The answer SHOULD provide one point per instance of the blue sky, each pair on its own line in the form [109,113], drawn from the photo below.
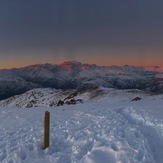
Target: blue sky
[104,32]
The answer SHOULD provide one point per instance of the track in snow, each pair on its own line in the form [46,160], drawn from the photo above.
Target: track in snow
[81,135]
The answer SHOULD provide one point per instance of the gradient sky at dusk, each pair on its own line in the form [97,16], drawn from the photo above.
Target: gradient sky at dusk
[104,32]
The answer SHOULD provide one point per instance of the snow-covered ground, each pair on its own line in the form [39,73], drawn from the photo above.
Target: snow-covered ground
[110,129]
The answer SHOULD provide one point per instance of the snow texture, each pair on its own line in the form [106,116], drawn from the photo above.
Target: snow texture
[110,129]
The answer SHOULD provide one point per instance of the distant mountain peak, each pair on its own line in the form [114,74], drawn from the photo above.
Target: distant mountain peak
[76,75]
[68,65]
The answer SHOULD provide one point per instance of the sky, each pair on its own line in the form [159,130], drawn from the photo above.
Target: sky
[102,32]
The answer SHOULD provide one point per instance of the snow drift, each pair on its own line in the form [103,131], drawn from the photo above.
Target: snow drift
[112,128]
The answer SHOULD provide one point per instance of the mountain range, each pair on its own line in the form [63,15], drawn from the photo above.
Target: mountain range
[78,76]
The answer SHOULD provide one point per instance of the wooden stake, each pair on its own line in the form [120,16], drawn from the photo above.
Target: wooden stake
[46,129]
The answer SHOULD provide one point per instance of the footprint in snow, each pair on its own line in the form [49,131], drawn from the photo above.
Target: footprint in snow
[103,155]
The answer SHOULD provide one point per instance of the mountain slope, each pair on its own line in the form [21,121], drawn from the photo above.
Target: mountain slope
[75,75]
[48,97]
[111,129]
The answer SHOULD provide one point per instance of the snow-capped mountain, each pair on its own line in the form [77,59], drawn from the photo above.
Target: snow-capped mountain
[75,75]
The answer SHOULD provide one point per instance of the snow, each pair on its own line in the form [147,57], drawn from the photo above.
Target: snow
[46,97]
[75,75]
[107,129]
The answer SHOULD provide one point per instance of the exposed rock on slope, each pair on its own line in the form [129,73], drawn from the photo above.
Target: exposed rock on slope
[74,75]
[48,97]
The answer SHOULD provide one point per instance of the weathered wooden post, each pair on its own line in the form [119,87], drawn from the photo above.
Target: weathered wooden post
[46,129]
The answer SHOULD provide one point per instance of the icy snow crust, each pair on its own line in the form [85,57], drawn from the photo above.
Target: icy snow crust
[110,129]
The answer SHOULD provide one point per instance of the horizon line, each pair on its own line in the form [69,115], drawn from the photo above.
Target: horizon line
[43,63]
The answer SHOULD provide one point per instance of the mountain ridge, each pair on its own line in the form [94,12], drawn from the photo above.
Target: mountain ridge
[150,68]
[75,75]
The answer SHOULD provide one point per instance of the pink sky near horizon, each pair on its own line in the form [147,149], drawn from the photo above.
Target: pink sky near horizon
[102,57]
[99,63]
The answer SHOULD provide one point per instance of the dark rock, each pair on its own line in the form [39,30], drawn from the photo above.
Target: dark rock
[60,103]
[71,96]
[136,99]
[29,105]
[71,102]
[80,100]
